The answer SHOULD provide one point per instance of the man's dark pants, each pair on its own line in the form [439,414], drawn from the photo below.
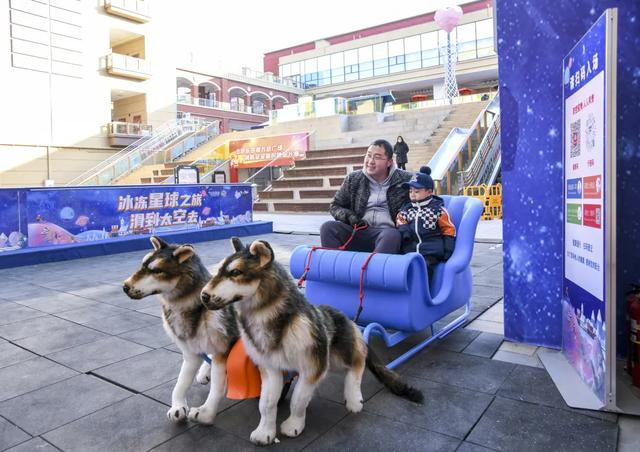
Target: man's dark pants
[381,240]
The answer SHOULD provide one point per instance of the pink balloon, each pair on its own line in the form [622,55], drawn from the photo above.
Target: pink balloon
[448,18]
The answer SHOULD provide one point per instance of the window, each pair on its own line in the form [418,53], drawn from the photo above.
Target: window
[429,49]
[324,70]
[310,78]
[237,103]
[257,106]
[466,42]
[412,53]
[295,68]
[442,40]
[381,59]
[351,65]
[396,56]
[365,61]
[285,70]
[337,67]
[484,34]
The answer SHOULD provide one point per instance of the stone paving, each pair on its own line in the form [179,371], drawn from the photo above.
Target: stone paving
[84,368]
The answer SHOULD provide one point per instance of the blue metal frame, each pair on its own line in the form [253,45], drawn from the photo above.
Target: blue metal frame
[392,339]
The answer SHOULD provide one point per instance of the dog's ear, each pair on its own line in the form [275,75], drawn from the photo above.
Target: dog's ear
[263,251]
[158,243]
[236,244]
[183,252]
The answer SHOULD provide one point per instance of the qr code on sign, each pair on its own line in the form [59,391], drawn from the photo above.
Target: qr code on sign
[575,138]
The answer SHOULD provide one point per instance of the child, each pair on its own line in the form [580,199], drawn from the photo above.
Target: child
[424,223]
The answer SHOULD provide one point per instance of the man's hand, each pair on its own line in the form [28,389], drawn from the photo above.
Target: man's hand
[353,220]
[357,222]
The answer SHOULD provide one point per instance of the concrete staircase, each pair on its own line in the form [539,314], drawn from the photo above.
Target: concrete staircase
[416,126]
[311,185]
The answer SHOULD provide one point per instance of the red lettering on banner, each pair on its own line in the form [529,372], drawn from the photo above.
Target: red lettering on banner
[255,153]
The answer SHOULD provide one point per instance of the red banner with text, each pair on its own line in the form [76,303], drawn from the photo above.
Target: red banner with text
[258,152]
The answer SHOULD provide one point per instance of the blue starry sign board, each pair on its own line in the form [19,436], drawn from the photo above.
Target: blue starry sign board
[589,164]
[533,39]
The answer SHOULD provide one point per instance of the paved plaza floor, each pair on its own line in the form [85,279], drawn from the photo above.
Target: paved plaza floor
[84,368]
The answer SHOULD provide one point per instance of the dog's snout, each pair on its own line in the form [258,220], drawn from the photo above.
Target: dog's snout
[205,297]
[126,287]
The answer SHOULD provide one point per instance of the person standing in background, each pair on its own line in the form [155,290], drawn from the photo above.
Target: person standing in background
[401,149]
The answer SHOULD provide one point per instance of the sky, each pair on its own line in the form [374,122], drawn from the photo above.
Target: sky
[226,36]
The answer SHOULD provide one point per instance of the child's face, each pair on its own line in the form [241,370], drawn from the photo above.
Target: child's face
[418,194]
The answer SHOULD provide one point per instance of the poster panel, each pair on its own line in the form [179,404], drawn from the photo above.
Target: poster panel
[68,216]
[585,241]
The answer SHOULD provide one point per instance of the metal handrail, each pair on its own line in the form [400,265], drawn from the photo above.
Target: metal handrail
[103,164]
[492,107]
[485,156]
[144,150]
[129,128]
[210,103]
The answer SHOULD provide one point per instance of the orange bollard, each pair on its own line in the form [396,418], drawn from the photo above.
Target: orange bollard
[243,377]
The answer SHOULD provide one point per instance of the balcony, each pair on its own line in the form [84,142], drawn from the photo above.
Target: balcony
[210,103]
[128,66]
[266,78]
[125,133]
[136,10]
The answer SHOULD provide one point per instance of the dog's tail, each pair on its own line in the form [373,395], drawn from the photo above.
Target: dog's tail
[391,379]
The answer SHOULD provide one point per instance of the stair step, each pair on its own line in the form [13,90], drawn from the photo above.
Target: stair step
[337,152]
[329,161]
[302,207]
[295,183]
[316,194]
[276,194]
[306,172]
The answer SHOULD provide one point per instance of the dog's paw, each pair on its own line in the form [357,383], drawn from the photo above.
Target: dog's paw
[292,427]
[263,437]
[178,413]
[204,374]
[354,405]
[202,415]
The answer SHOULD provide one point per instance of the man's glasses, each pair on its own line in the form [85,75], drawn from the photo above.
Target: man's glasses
[377,158]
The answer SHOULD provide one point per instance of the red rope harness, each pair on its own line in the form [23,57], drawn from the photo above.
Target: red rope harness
[307,266]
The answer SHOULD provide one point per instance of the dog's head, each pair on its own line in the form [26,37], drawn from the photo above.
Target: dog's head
[161,270]
[239,276]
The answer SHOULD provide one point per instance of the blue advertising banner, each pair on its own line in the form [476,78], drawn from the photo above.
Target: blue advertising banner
[64,216]
[12,233]
[585,242]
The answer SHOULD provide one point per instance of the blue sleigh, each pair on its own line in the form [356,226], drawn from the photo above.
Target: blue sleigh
[396,289]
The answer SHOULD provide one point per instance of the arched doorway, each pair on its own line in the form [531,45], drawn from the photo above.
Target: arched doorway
[184,89]
[260,103]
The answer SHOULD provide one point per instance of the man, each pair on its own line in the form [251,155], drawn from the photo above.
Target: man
[372,197]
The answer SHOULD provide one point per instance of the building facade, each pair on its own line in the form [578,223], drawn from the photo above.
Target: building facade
[238,101]
[404,58]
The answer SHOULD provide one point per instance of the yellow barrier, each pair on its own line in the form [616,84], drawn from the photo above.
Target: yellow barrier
[491,197]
